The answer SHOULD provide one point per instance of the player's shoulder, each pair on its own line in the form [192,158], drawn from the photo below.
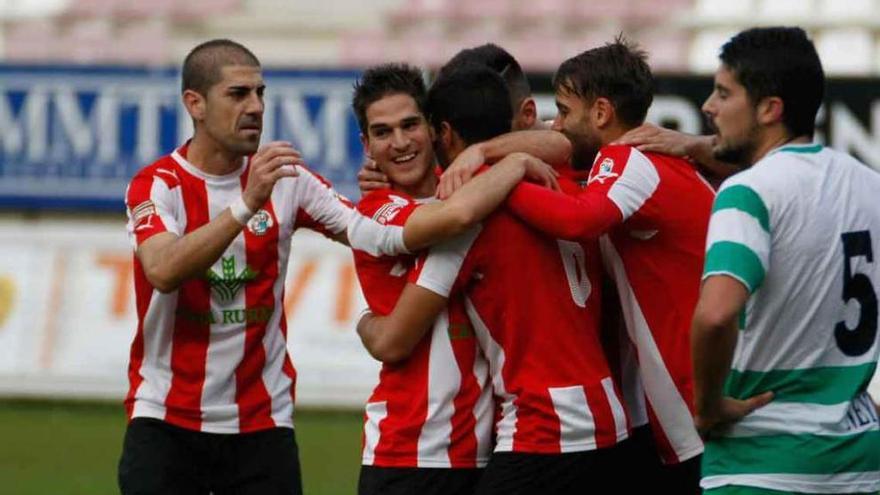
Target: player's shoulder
[165,169]
[382,205]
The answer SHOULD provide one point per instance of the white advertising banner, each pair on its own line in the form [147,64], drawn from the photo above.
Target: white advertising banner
[67,314]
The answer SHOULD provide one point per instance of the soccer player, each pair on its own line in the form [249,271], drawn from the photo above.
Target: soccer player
[788,306]
[560,411]
[210,403]
[428,421]
[525,114]
[652,213]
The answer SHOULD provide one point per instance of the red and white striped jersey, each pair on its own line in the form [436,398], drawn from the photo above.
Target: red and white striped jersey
[534,305]
[212,355]
[435,408]
[652,213]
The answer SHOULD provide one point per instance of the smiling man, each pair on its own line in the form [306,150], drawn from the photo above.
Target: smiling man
[210,402]
[788,304]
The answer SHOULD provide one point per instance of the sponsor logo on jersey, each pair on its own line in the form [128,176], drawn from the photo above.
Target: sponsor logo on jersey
[605,171]
[227,285]
[142,214]
[249,316]
[460,331]
[260,223]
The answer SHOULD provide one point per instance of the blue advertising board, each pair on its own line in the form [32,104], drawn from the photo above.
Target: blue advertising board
[72,136]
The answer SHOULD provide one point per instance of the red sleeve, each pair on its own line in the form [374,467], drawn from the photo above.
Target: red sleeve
[587,215]
[387,207]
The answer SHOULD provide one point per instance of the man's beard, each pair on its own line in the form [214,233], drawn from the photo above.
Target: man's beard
[583,153]
[739,153]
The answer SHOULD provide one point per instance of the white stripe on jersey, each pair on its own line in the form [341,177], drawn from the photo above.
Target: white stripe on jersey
[154,388]
[865,482]
[616,408]
[376,412]
[484,410]
[635,185]
[570,404]
[738,226]
[278,384]
[444,382]
[667,403]
[803,418]
[506,427]
[226,339]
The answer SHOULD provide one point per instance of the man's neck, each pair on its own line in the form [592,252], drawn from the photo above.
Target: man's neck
[774,138]
[425,189]
[209,157]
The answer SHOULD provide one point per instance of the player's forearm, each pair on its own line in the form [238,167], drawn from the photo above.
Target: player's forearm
[169,264]
[550,146]
[562,216]
[430,224]
[713,341]
[384,340]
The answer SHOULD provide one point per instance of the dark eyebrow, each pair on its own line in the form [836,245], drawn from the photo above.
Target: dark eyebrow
[415,119]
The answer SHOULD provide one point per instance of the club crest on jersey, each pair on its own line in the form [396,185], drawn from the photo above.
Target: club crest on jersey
[260,223]
[605,171]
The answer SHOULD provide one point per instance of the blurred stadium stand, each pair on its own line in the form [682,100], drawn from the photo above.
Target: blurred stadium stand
[682,35]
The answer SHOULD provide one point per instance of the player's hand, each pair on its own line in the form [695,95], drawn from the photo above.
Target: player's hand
[460,171]
[540,172]
[729,410]
[370,178]
[650,137]
[271,162]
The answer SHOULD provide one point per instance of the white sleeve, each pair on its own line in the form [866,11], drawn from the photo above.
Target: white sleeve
[374,238]
[322,203]
[444,261]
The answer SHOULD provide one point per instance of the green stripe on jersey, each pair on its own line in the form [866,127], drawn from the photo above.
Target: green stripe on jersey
[802,148]
[792,454]
[827,385]
[745,199]
[736,259]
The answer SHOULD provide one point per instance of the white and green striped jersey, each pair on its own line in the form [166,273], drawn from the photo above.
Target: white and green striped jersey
[799,230]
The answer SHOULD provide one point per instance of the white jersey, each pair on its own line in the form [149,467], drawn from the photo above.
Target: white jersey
[799,230]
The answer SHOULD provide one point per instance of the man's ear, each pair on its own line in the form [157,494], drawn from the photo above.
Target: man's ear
[365,142]
[447,135]
[602,112]
[195,104]
[528,113]
[770,110]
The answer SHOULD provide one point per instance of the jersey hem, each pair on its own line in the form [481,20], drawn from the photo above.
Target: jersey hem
[209,428]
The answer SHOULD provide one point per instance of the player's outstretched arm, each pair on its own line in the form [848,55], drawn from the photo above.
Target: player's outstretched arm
[562,216]
[169,260]
[652,138]
[392,338]
[549,146]
[714,332]
[436,222]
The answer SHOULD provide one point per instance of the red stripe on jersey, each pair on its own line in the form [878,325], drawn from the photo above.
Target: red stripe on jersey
[251,395]
[606,429]
[407,405]
[143,294]
[287,367]
[463,438]
[189,347]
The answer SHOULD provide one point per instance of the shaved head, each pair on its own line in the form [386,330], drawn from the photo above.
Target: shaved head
[202,66]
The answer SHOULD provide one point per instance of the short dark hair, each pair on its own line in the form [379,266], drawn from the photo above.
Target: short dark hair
[617,71]
[201,67]
[384,80]
[499,60]
[474,100]
[779,61]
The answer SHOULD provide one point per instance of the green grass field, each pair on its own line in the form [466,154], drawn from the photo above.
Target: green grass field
[66,448]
